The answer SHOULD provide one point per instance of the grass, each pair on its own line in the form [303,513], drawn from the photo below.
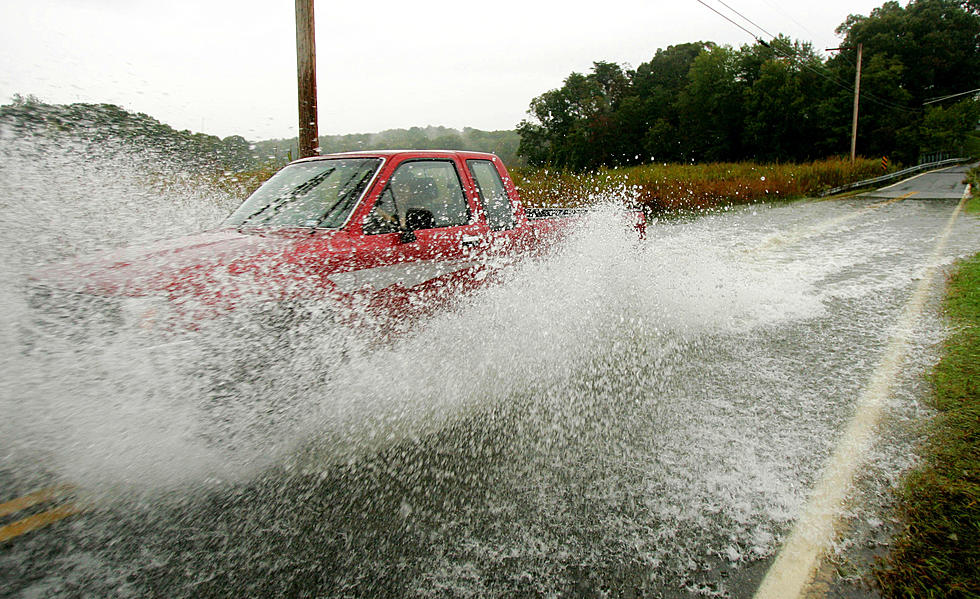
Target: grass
[938,552]
[670,187]
[973,178]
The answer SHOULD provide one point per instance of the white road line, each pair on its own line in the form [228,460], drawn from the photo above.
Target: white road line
[793,569]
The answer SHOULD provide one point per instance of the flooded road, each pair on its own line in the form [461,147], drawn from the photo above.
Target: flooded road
[619,419]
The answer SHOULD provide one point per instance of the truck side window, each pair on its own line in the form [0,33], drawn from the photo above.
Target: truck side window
[422,194]
[384,215]
[500,213]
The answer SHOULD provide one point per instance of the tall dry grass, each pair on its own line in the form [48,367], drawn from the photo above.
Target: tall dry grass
[669,187]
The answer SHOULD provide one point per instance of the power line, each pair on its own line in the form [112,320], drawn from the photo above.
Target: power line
[774,38]
[712,9]
[791,55]
[790,17]
[757,26]
[833,79]
[941,98]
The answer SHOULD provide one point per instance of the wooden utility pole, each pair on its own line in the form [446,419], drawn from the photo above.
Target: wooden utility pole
[857,94]
[306,77]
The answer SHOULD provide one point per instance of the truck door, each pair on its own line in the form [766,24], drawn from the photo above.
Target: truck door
[420,239]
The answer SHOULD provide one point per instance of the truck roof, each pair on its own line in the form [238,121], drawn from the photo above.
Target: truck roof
[414,153]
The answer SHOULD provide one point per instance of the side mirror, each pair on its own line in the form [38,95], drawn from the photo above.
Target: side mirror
[416,219]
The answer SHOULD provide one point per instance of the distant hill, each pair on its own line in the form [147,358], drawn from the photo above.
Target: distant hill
[200,151]
[501,143]
[99,122]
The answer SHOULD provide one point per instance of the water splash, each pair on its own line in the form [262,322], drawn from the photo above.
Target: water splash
[616,414]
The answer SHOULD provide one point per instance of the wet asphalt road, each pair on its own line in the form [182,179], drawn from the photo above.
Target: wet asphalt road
[670,459]
[944,184]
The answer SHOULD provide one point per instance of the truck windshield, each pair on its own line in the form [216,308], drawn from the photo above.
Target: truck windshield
[320,193]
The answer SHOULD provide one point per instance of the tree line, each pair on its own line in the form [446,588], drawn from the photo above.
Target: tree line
[200,151]
[108,122]
[502,143]
[775,100]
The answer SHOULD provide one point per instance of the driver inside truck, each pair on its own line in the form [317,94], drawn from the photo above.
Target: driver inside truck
[405,203]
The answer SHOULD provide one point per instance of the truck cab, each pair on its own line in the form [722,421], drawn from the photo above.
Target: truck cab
[399,226]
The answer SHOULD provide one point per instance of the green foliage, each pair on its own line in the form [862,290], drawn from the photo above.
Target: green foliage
[775,100]
[971,144]
[948,127]
[654,117]
[580,125]
[710,106]
[938,554]
[934,40]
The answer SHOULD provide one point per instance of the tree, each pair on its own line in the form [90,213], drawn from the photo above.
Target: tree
[710,107]
[945,129]
[783,90]
[775,100]
[927,49]
[575,126]
[651,113]
[935,40]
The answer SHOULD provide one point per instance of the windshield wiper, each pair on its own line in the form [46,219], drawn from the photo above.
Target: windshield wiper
[299,190]
[347,193]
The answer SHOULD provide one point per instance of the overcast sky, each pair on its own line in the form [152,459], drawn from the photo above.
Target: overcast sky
[229,67]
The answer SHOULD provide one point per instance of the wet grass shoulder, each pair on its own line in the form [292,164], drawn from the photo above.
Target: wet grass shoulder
[938,552]
[973,204]
[973,178]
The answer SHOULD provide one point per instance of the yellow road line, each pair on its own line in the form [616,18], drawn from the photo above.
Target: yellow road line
[793,569]
[893,200]
[37,521]
[47,494]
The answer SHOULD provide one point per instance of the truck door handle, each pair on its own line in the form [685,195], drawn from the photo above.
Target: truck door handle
[470,240]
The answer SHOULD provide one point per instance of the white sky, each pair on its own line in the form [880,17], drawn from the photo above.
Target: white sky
[229,67]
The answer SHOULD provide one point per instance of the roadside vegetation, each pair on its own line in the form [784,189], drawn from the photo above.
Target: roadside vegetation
[673,187]
[698,125]
[938,552]
[973,178]
[241,184]
[775,100]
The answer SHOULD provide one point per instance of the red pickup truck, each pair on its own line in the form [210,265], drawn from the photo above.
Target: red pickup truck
[389,230]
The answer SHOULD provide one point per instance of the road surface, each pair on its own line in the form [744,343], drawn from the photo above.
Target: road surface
[617,420]
[944,184]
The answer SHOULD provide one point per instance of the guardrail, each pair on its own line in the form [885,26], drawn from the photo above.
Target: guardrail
[892,176]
